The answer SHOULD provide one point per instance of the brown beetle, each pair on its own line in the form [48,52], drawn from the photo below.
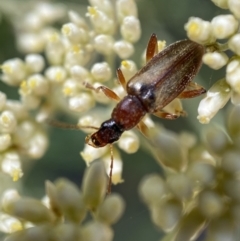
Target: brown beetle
[167,75]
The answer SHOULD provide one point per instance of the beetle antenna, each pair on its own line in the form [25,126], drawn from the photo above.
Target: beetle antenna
[63,125]
[111,169]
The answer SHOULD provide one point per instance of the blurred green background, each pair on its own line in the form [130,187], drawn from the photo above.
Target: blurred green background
[166,18]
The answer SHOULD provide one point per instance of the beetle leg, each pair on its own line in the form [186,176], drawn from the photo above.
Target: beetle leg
[152,47]
[166,115]
[110,172]
[121,78]
[142,127]
[108,92]
[192,90]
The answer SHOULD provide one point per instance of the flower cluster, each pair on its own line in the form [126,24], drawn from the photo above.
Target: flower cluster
[67,78]
[200,191]
[222,27]
[60,215]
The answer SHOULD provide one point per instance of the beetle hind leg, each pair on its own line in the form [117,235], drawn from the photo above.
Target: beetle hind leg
[152,47]
[192,90]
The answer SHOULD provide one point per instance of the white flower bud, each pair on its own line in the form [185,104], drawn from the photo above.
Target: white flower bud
[233,75]
[14,70]
[81,102]
[9,196]
[90,153]
[235,98]
[104,6]
[30,43]
[128,68]
[3,98]
[153,189]
[56,73]
[50,12]
[111,209]
[180,185]
[234,43]
[75,18]
[234,6]
[32,22]
[94,185]
[104,44]
[211,204]
[88,120]
[199,30]
[74,33]
[37,145]
[17,108]
[101,72]
[76,55]
[35,84]
[126,8]
[8,122]
[131,29]
[9,224]
[224,26]
[129,142]
[101,22]
[80,74]
[221,3]
[30,102]
[201,174]
[5,141]
[123,49]
[11,164]
[215,60]
[34,63]
[55,49]
[70,88]
[103,231]
[217,96]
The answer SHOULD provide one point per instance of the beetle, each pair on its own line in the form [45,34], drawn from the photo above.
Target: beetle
[167,75]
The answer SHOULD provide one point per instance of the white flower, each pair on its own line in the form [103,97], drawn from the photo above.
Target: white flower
[11,164]
[131,29]
[129,142]
[126,8]
[234,43]
[8,122]
[233,75]
[9,224]
[221,3]
[234,6]
[56,73]
[123,49]
[5,141]
[224,26]
[81,102]
[104,44]
[101,72]
[216,98]
[199,30]
[215,60]
[34,63]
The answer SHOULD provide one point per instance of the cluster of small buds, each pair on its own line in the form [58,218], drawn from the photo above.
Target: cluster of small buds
[61,213]
[207,33]
[20,137]
[201,192]
[67,52]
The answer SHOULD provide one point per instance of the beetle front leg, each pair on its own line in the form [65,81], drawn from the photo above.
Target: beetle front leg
[121,78]
[165,115]
[192,90]
[108,92]
[152,47]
